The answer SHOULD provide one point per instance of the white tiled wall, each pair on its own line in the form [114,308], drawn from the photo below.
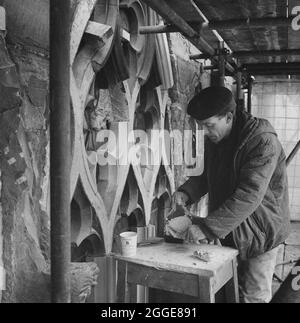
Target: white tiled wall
[279,102]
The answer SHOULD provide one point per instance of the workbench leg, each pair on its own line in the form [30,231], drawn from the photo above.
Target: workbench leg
[121,281]
[232,287]
[142,294]
[130,290]
[130,293]
[127,293]
[206,293]
[127,286]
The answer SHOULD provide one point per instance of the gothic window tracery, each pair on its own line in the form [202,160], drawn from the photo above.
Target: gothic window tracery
[117,79]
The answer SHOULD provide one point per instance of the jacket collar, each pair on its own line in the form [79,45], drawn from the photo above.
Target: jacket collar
[251,127]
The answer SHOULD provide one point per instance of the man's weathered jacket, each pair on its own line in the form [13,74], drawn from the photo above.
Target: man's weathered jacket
[257,212]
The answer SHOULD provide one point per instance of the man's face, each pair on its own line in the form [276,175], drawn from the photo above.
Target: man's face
[216,128]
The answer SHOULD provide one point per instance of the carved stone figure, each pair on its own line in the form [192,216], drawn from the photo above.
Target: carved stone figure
[83,278]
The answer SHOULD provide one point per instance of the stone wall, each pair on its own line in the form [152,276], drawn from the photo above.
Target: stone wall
[23,140]
[188,80]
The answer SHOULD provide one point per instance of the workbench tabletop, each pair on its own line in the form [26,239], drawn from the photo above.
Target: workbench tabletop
[179,257]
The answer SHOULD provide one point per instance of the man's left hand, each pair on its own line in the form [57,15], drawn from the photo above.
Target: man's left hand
[197,236]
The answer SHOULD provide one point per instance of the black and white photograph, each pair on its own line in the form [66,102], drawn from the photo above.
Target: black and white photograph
[149,154]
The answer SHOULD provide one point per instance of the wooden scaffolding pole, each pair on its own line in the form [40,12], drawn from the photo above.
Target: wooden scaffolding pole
[60,149]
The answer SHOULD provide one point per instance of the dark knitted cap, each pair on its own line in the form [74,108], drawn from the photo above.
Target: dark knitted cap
[210,102]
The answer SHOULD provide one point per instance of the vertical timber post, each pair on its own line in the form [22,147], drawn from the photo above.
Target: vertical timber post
[60,150]
[250,88]
[222,63]
[239,91]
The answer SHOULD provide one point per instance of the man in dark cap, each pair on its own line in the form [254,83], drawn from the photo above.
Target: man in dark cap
[246,179]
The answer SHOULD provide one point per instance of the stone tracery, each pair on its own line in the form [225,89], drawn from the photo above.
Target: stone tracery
[121,72]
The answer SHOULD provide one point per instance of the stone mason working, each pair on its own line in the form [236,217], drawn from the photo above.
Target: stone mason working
[246,180]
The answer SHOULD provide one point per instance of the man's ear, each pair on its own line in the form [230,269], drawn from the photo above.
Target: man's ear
[229,117]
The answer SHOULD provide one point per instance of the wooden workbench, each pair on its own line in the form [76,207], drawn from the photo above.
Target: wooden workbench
[172,267]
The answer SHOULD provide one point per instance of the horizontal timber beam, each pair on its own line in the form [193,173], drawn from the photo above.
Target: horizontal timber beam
[253,23]
[159,29]
[274,72]
[273,68]
[221,41]
[170,15]
[166,12]
[222,24]
[201,56]
[273,65]
[261,53]
[265,53]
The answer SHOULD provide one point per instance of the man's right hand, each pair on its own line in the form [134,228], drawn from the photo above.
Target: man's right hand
[181,198]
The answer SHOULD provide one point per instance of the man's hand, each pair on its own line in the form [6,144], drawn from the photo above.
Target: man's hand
[181,198]
[197,236]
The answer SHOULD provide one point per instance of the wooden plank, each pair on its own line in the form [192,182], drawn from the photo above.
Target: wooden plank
[179,258]
[143,292]
[100,30]
[223,276]
[232,287]
[163,279]
[127,287]
[130,292]
[205,290]
[168,13]
[100,289]
[111,276]
[105,290]
[158,267]
[122,288]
